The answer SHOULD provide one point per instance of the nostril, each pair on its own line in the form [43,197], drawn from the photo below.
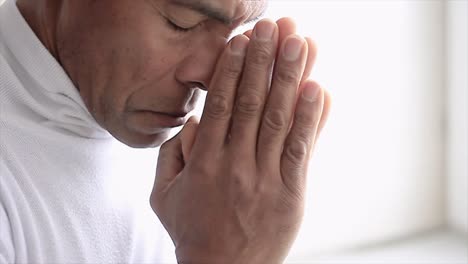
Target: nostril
[198,85]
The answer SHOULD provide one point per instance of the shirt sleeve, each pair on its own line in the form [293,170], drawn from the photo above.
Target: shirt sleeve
[6,242]
[7,253]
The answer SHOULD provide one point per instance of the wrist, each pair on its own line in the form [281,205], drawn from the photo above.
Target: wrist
[204,256]
[192,256]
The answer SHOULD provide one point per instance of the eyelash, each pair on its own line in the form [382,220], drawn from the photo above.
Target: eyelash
[175,27]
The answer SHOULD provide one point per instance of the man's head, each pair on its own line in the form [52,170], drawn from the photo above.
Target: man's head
[138,64]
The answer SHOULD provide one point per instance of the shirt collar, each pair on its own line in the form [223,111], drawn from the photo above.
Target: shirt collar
[28,50]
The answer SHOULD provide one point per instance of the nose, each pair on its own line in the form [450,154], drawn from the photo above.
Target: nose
[198,66]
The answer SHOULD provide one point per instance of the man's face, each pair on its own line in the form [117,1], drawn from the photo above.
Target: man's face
[139,64]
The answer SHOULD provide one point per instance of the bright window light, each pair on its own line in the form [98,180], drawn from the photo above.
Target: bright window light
[378,173]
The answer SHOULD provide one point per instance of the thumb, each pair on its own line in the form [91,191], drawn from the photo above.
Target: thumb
[188,135]
[174,153]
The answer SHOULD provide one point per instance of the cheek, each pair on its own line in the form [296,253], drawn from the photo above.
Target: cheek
[110,57]
[114,56]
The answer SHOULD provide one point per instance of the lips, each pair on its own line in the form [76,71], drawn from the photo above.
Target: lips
[162,119]
[173,114]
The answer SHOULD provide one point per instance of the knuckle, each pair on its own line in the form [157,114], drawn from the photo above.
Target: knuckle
[238,180]
[296,151]
[287,76]
[275,120]
[217,107]
[303,133]
[264,188]
[232,68]
[262,54]
[249,104]
[304,120]
[202,169]
[240,184]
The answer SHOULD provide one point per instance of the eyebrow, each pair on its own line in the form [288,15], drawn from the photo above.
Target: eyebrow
[210,11]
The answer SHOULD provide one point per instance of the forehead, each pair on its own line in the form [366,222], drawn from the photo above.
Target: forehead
[228,11]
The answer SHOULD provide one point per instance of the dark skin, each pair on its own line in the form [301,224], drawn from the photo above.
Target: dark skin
[230,188]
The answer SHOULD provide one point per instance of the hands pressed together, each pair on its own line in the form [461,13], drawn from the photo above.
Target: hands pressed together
[231,188]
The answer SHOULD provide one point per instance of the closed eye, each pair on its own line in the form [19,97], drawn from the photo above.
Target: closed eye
[178,28]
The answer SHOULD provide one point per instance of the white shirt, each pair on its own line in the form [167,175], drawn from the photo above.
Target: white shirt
[69,192]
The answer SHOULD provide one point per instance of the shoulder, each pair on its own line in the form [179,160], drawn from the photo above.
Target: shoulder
[7,252]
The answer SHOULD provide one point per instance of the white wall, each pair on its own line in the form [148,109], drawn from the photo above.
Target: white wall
[457,101]
[377,171]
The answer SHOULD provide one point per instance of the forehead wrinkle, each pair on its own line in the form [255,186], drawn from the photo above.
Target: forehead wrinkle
[206,9]
[247,10]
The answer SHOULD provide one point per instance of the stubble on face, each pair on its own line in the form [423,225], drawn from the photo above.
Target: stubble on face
[123,58]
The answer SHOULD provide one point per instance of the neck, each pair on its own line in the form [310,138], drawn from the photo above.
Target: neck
[42,17]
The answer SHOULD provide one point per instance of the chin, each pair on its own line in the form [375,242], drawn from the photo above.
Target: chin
[138,140]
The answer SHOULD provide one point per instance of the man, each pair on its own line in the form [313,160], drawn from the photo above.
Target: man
[74,75]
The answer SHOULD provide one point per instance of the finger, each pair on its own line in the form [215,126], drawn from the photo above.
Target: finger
[174,154]
[311,57]
[188,135]
[248,33]
[281,101]
[170,164]
[300,140]
[254,87]
[286,27]
[325,113]
[215,121]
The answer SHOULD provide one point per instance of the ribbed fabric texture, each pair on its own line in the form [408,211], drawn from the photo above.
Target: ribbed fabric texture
[69,192]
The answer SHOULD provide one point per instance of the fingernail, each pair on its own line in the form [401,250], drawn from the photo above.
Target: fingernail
[264,30]
[292,48]
[311,92]
[239,45]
